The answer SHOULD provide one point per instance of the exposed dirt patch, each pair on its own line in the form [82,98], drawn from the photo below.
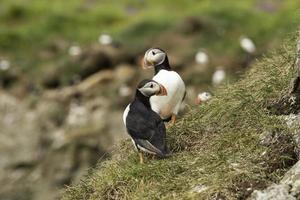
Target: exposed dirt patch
[288,103]
[280,152]
[243,189]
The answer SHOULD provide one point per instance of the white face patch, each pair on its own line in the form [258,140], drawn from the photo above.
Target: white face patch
[204,96]
[155,56]
[150,88]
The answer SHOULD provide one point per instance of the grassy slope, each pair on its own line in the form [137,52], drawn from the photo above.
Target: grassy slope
[216,145]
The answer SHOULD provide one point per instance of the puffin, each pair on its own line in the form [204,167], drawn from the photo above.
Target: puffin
[166,106]
[247,45]
[201,57]
[218,76]
[145,127]
[202,98]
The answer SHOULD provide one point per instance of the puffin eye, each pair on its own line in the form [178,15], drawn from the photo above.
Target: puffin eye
[153,53]
[151,86]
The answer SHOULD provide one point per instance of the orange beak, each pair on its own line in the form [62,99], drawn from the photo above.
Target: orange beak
[162,91]
[197,101]
[146,64]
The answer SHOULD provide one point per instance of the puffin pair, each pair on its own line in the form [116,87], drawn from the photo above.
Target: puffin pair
[166,106]
[155,101]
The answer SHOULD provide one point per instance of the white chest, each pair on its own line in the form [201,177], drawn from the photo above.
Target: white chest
[125,113]
[165,106]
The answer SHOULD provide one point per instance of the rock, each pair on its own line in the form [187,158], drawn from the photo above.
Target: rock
[125,91]
[292,178]
[274,192]
[95,80]
[78,115]
[99,57]
[93,61]
[84,63]
[125,74]
[52,48]
[287,189]
[52,143]
[51,114]
[51,78]
[19,138]
[64,94]
[293,122]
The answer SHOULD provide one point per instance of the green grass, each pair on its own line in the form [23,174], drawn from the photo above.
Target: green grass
[217,145]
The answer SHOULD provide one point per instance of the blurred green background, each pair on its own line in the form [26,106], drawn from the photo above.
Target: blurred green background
[64,84]
[35,35]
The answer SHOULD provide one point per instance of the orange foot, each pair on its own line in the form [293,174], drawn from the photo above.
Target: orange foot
[141,158]
[172,122]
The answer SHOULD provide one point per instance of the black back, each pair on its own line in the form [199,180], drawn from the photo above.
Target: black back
[146,126]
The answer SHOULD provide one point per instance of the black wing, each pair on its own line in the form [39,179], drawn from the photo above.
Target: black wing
[159,141]
[184,96]
[140,127]
[145,144]
[148,131]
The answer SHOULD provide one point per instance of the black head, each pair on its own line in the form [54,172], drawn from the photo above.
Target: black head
[157,58]
[149,88]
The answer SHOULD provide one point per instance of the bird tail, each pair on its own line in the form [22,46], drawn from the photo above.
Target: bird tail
[165,153]
[145,145]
